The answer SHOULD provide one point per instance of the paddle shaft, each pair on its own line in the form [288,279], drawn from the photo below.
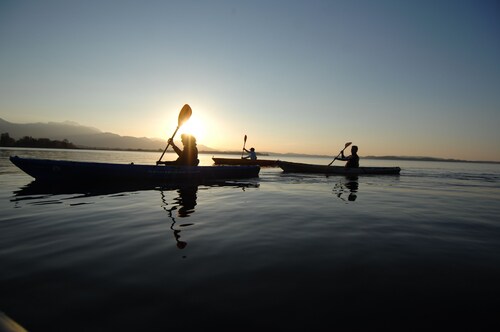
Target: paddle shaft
[168,144]
[347,145]
[244,142]
[335,158]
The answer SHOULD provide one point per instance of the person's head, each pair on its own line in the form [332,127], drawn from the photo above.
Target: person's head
[354,149]
[252,149]
[188,139]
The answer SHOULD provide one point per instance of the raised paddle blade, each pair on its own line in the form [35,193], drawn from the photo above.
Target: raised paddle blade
[184,114]
[346,145]
[244,142]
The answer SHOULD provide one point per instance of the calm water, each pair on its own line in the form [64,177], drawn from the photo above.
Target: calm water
[282,251]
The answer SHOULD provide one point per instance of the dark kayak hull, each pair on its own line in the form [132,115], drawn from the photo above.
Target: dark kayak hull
[79,171]
[290,167]
[240,161]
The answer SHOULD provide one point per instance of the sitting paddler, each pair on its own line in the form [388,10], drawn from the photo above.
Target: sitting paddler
[353,159]
[251,154]
[188,156]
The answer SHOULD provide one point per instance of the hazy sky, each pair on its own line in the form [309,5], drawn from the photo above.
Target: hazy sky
[413,78]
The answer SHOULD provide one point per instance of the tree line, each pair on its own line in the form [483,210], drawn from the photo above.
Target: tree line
[30,142]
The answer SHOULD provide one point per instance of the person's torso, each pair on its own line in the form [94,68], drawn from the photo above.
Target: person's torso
[189,157]
[353,161]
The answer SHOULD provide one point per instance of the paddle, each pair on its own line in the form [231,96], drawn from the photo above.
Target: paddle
[184,115]
[346,145]
[244,142]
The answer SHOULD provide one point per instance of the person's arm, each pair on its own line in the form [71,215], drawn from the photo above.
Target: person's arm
[176,149]
[343,157]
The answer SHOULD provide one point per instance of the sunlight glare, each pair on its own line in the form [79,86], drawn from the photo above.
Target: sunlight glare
[194,126]
[206,128]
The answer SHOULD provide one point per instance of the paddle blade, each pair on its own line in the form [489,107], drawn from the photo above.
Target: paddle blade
[347,144]
[245,139]
[184,114]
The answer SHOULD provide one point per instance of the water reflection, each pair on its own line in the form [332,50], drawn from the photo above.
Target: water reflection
[347,187]
[184,205]
[181,206]
[37,190]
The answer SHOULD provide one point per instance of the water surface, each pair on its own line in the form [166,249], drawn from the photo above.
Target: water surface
[282,251]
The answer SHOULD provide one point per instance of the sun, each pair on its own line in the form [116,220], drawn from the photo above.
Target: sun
[194,126]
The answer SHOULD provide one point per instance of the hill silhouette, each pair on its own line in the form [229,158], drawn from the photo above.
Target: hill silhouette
[92,138]
[83,136]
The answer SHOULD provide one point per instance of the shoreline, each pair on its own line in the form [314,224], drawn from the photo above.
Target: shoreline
[270,154]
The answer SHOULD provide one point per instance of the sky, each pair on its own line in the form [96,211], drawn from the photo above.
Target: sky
[400,78]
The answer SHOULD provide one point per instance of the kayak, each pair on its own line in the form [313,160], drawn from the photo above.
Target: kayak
[83,171]
[290,167]
[35,188]
[241,161]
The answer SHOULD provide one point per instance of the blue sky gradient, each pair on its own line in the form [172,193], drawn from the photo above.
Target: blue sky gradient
[411,78]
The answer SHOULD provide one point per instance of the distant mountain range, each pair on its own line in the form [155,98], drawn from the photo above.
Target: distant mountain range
[83,136]
[93,138]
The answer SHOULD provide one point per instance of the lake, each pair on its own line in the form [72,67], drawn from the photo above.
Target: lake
[278,252]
